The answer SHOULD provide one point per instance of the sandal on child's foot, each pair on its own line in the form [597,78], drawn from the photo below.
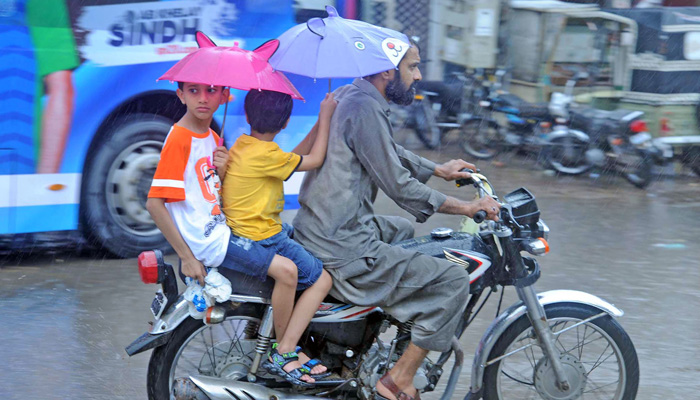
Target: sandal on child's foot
[311,364]
[275,365]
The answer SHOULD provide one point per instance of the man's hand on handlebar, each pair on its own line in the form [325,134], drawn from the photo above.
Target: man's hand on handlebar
[452,170]
[488,205]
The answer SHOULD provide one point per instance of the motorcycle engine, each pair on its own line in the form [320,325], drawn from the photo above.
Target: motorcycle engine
[374,365]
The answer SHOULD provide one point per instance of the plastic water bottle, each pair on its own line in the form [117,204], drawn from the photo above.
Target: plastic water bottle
[200,304]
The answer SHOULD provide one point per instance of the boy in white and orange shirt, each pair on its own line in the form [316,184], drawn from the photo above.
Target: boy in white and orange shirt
[184,203]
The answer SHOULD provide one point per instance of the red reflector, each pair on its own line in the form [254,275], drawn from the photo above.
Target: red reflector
[148,267]
[638,126]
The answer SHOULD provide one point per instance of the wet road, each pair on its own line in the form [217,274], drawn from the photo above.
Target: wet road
[65,319]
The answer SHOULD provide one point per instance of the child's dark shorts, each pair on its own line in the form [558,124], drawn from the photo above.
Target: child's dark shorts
[254,257]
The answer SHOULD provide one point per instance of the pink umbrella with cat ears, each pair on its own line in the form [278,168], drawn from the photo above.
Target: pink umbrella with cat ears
[232,67]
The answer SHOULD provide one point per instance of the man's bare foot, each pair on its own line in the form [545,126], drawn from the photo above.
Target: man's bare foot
[389,390]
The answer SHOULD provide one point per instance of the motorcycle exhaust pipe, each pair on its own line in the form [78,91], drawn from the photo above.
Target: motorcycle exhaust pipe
[209,388]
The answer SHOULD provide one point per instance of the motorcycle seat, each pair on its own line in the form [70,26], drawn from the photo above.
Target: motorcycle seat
[525,109]
[596,122]
[243,284]
[534,110]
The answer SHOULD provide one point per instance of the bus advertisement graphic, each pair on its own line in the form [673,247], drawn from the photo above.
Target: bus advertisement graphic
[82,118]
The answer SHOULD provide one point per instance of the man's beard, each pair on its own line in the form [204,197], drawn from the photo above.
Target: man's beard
[397,93]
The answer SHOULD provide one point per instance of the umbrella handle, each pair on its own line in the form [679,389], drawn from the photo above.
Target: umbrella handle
[223,124]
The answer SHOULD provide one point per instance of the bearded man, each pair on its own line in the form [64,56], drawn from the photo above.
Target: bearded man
[338,225]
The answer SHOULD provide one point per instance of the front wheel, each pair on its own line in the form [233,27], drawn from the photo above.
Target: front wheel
[224,350]
[598,356]
[481,138]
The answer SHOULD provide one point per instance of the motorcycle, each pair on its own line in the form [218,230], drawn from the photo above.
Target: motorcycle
[559,344]
[436,109]
[528,127]
[617,140]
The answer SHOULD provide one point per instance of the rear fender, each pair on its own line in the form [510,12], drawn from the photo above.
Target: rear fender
[162,328]
[517,310]
[567,132]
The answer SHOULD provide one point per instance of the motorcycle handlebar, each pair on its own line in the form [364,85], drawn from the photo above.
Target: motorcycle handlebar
[480,216]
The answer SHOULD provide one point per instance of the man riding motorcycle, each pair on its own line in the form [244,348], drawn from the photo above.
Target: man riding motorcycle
[337,223]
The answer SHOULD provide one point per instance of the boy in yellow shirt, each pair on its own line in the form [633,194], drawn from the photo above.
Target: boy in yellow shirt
[253,198]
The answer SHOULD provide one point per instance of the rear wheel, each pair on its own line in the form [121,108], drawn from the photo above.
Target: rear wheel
[598,357]
[691,158]
[481,138]
[224,350]
[567,155]
[637,168]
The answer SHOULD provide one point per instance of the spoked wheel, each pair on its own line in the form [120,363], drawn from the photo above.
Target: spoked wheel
[567,155]
[598,357]
[481,138]
[224,350]
[636,167]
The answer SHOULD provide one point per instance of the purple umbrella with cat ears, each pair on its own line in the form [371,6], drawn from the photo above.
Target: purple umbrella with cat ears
[335,47]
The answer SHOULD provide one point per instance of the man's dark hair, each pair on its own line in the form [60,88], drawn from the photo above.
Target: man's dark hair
[267,111]
[181,85]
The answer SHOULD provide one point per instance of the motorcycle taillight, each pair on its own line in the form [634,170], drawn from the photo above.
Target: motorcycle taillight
[148,267]
[638,126]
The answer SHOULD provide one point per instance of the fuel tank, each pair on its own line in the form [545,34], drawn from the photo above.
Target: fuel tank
[460,248]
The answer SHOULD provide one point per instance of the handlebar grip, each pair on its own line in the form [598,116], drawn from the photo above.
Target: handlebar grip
[480,216]
[466,181]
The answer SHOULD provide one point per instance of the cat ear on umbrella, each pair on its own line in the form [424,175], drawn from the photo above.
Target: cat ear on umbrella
[204,40]
[267,49]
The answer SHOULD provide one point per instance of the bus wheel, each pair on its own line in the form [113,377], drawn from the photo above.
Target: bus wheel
[116,181]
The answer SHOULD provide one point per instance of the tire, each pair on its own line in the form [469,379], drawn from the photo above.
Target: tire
[567,155]
[691,158]
[639,169]
[116,181]
[481,138]
[598,343]
[223,350]
[426,124]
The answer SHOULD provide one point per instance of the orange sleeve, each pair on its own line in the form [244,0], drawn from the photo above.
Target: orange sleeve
[169,179]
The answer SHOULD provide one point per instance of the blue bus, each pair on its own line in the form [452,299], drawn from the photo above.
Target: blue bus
[83,117]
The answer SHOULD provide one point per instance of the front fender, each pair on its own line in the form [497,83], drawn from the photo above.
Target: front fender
[517,310]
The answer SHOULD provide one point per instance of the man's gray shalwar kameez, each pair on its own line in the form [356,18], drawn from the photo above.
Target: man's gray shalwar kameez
[337,223]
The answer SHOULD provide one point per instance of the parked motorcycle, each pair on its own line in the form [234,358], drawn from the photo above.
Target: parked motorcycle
[527,126]
[617,140]
[572,139]
[438,107]
[560,344]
